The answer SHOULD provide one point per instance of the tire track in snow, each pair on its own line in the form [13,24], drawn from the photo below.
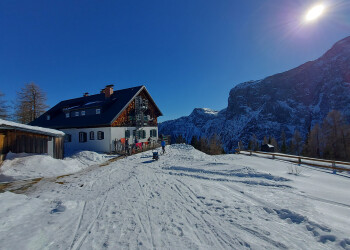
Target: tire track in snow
[224,243]
[135,213]
[147,210]
[246,229]
[78,226]
[81,240]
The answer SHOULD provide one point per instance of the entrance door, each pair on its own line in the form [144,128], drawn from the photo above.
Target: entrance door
[50,146]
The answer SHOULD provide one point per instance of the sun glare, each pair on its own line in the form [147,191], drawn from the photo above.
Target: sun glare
[315,12]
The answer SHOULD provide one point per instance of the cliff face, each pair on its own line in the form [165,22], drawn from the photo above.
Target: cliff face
[296,99]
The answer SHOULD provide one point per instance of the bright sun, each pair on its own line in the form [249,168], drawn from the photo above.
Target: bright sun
[315,12]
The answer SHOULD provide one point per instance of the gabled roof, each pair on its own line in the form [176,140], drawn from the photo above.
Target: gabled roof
[110,107]
[32,129]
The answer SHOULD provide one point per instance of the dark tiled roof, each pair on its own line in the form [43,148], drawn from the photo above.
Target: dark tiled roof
[110,108]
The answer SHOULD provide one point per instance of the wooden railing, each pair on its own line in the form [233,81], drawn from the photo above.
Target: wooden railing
[329,164]
[133,149]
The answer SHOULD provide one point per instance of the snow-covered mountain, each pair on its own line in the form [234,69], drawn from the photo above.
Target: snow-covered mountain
[295,99]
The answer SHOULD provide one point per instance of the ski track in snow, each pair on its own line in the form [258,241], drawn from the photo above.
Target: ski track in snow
[186,200]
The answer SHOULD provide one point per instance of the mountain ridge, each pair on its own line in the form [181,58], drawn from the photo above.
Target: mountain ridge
[295,99]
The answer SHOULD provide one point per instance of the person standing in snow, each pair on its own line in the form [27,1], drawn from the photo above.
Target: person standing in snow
[127,146]
[163,146]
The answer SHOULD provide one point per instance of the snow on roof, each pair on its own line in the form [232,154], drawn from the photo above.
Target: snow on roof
[39,130]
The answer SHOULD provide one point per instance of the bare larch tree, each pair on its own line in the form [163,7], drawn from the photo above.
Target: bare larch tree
[3,107]
[30,103]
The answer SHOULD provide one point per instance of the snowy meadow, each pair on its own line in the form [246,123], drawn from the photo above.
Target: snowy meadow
[186,199]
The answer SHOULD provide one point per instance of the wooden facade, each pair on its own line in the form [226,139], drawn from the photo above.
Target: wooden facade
[16,141]
[127,117]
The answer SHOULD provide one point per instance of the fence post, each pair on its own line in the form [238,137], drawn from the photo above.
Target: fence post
[250,152]
[333,166]
[299,161]
[273,156]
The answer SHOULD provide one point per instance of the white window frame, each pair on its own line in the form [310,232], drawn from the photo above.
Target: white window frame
[82,112]
[100,135]
[48,117]
[76,113]
[92,135]
[67,115]
[98,111]
[82,137]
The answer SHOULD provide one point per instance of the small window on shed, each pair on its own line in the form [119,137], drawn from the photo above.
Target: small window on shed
[82,137]
[83,112]
[92,135]
[100,135]
[67,115]
[98,111]
[67,138]
[48,117]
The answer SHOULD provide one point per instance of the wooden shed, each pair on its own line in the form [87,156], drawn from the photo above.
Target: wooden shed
[267,148]
[20,138]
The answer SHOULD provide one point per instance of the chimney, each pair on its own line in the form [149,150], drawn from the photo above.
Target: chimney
[108,91]
[102,91]
[86,94]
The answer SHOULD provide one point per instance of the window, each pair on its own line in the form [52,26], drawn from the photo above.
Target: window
[153,133]
[67,138]
[92,135]
[67,115]
[100,135]
[98,111]
[127,133]
[48,117]
[82,137]
[76,113]
[83,112]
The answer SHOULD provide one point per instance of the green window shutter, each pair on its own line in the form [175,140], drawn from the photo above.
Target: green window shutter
[143,134]
[127,133]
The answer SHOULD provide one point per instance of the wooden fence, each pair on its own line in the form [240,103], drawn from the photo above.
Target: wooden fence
[133,149]
[322,163]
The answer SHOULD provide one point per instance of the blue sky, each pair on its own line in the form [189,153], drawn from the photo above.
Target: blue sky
[188,53]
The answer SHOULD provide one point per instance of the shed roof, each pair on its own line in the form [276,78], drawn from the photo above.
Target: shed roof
[34,129]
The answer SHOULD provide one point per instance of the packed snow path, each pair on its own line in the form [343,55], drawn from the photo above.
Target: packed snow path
[186,200]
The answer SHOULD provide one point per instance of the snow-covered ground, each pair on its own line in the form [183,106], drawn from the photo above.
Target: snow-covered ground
[25,166]
[186,200]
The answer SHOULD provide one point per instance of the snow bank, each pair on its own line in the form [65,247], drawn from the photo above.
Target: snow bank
[25,166]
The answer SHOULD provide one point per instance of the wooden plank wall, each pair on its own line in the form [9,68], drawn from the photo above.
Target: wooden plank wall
[25,142]
[58,148]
